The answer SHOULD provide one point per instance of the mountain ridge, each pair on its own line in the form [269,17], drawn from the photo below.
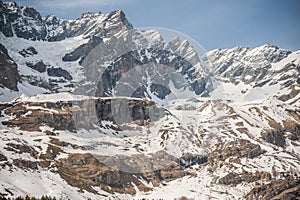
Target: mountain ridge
[26,22]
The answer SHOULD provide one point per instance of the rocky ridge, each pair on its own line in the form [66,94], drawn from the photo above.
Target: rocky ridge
[25,22]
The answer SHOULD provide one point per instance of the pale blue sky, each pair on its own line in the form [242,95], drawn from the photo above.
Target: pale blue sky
[212,23]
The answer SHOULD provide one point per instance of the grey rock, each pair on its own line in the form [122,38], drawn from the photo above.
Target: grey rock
[9,75]
[189,159]
[274,137]
[59,72]
[39,66]
[28,52]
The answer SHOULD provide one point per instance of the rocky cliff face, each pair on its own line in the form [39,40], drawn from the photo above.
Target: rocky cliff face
[76,115]
[85,171]
[168,66]
[284,189]
[159,70]
[24,22]
[9,75]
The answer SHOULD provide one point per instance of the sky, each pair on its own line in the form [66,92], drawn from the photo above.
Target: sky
[212,23]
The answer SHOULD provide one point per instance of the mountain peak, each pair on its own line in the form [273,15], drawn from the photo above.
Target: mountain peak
[27,23]
[268,45]
[9,4]
[90,15]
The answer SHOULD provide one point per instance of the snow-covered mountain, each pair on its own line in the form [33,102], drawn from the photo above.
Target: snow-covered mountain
[27,23]
[92,108]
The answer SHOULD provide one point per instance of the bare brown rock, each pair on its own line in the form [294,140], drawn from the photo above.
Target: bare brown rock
[234,178]
[82,114]
[239,148]
[86,170]
[21,148]
[277,189]
[25,164]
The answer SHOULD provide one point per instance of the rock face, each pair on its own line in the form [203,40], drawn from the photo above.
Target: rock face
[96,27]
[234,179]
[279,189]
[9,75]
[89,24]
[275,137]
[258,67]
[23,21]
[86,170]
[168,66]
[82,114]
[59,72]
[239,148]
[83,50]
[188,159]
[39,66]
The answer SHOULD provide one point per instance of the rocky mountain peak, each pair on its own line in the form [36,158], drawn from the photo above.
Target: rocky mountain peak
[90,15]
[11,5]
[246,64]
[27,23]
[22,21]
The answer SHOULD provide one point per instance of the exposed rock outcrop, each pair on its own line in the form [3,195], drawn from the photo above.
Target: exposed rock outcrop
[278,189]
[25,164]
[82,114]
[82,50]
[234,178]
[39,66]
[168,66]
[188,159]
[59,72]
[239,148]
[9,75]
[274,137]
[246,64]
[86,170]
[2,157]
[28,52]
[22,21]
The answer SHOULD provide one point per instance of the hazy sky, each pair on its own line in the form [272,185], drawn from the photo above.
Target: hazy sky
[213,23]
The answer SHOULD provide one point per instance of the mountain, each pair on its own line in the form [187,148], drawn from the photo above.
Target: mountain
[27,23]
[93,108]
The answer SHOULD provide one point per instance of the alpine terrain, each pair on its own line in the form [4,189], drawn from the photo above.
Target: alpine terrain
[92,108]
